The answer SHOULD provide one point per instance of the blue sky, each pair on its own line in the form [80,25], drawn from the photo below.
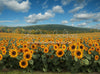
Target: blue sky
[79,13]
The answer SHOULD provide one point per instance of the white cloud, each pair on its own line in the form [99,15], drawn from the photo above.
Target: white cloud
[76,9]
[16,5]
[82,16]
[72,24]
[64,22]
[44,5]
[66,2]
[34,18]
[4,21]
[95,17]
[82,24]
[58,9]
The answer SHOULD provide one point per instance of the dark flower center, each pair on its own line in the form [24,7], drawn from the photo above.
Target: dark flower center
[81,47]
[60,52]
[13,53]
[73,47]
[33,46]
[27,56]
[23,63]
[78,53]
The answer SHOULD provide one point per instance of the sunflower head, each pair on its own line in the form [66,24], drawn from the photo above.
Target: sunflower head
[4,52]
[1,56]
[46,50]
[78,53]
[23,63]
[33,46]
[81,46]
[55,47]
[13,53]
[96,57]
[72,47]
[59,53]
[27,56]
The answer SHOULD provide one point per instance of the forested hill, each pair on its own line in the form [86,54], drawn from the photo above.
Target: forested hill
[47,28]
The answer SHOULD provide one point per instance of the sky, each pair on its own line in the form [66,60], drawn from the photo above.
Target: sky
[78,13]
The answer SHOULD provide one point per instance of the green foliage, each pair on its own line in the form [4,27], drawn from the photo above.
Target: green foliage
[46,29]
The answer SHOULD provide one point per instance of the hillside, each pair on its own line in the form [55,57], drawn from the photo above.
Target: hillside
[47,28]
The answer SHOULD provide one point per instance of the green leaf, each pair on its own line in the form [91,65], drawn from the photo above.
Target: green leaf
[76,59]
[31,62]
[86,62]
[44,69]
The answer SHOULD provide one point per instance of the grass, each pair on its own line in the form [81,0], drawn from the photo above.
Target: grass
[38,72]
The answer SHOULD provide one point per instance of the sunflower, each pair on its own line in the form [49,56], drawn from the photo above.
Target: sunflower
[96,57]
[55,47]
[23,63]
[86,48]
[25,50]
[42,46]
[46,50]
[60,53]
[97,49]
[3,48]
[21,50]
[81,46]
[78,53]
[63,47]
[89,51]
[1,56]
[92,48]
[24,45]
[90,44]
[27,56]
[33,46]
[68,48]
[96,44]
[72,47]
[4,52]
[31,51]
[13,53]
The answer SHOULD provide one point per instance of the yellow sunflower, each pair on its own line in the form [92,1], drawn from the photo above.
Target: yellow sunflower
[78,53]
[46,50]
[4,52]
[60,53]
[64,47]
[72,47]
[23,63]
[1,56]
[33,46]
[55,47]
[81,46]
[96,57]
[13,53]
[27,56]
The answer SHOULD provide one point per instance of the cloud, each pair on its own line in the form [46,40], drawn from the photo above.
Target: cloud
[82,16]
[8,21]
[64,22]
[76,9]
[66,2]
[58,9]
[34,18]
[44,4]
[82,24]
[72,24]
[16,5]
[95,17]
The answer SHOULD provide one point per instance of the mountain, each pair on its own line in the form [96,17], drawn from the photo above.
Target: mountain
[47,28]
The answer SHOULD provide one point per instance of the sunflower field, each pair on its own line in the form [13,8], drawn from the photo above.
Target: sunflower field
[55,53]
